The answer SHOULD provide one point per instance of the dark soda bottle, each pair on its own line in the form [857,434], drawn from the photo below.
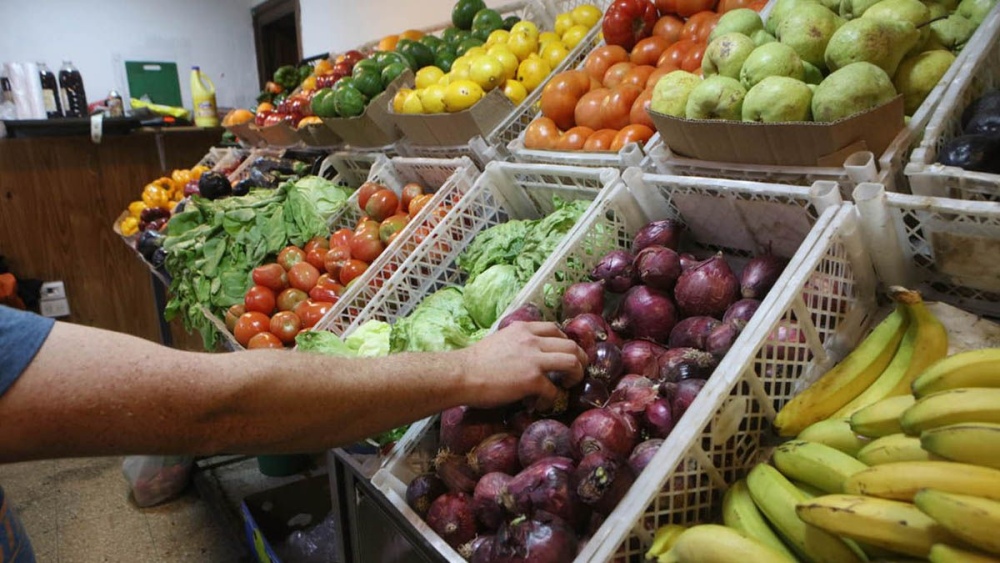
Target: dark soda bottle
[50,92]
[74,98]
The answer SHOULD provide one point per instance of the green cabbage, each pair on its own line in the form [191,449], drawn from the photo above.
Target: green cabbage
[488,296]
[371,339]
[441,322]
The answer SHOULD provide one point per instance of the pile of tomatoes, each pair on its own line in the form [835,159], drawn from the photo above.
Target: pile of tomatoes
[602,107]
[294,292]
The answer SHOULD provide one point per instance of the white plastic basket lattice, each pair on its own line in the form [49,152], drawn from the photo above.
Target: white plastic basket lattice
[719,437]
[980,74]
[351,168]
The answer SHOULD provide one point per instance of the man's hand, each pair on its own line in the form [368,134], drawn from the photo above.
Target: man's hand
[512,364]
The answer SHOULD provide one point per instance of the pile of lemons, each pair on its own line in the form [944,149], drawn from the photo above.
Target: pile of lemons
[516,61]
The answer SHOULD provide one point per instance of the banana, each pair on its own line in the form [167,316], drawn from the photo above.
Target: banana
[815,464]
[976,368]
[900,481]
[846,380]
[925,342]
[719,544]
[741,514]
[776,498]
[808,491]
[664,539]
[942,553]
[892,525]
[972,519]
[974,442]
[836,433]
[881,418]
[968,404]
[894,448]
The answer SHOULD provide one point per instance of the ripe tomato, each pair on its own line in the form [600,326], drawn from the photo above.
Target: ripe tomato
[542,133]
[638,75]
[616,106]
[699,26]
[289,298]
[561,94]
[365,191]
[615,74]
[329,282]
[341,237]
[335,258]
[233,314]
[303,276]
[271,276]
[674,54]
[659,73]
[382,204]
[366,246]
[316,242]
[410,191]
[684,8]
[632,134]
[264,340]
[638,115]
[692,61]
[628,21]
[600,141]
[290,256]
[647,51]
[669,27]
[315,257]
[600,60]
[727,5]
[285,325]
[249,324]
[391,226]
[418,203]
[260,299]
[323,294]
[588,109]
[573,139]
[351,270]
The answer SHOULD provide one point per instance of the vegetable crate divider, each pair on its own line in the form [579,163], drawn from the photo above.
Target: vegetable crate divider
[503,192]
[716,439]
[448,180]
[980,74]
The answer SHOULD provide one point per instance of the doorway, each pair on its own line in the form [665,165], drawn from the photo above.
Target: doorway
[276,35]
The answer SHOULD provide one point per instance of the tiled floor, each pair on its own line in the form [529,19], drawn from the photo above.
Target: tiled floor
[77,511]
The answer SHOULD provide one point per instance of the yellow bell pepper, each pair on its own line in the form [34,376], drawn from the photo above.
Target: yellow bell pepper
[197,171]
[153,195]
[135,208]
[129,226]
[180,177]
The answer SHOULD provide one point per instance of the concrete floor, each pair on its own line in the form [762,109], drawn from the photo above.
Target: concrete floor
[77,511]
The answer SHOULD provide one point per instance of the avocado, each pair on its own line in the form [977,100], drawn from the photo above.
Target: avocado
[980,153]
[988,103]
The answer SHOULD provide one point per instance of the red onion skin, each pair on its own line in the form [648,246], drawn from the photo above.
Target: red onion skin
[586,330]
[544,486]
[634,380]
[686,363]
[617,270]
[602,430]
[543,439]
[601,480]
[760,275]
[462,428]
[681,395]
[451,517]
[658,419]
[583,297]
[455,472]
[666,232]
[521,420]
[658,267]
[607,363]
[497,453]
[481,549]
[688,261]
[707,289]
[646,313]
[526,313]
[542,539]
[722,337]
[591,393]
[486,501]
[634,401]
[742,310]
[422,491]
[643,453]
[639,357]
[692,332]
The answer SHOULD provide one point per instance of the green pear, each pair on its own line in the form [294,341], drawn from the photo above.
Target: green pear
[740,20]
[761,37]
[913,11]
[807,30]
[950,5]
[717,97]
[778,99]
[917,75]
[975,10]
[811,73]
[771,59]
[951,33]
[725,55]
[670,95]
[878,41]
[779,10]
[832,5]
[937,10]
[855,88]
[851,9]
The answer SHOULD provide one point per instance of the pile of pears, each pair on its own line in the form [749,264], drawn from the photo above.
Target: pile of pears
[822,60]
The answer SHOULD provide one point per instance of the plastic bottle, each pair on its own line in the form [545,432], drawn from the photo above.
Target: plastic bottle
[50,92]
[205,114]
[74,97]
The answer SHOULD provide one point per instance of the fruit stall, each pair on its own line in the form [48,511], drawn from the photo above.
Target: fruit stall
[771,226]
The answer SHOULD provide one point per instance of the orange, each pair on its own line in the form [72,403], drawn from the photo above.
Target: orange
[236,117]
[323,67]
[387,43]
[310,120]
[411,34]
[264,106]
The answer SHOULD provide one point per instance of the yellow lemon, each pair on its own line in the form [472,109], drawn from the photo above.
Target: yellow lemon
[532,73]
[515,91]
[399,98]
[586,15]
[506,58]
[574,36]
[432,98]
[525,28]
[522,45]
[411,103]
[445,80]
[460,68]
[488,72]
[564,21]
[498,37]
[461,95]
[546,36]
[554,53]
[427,76]
[475,52]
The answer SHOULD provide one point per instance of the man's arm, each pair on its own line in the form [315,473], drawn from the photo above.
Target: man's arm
[96,392]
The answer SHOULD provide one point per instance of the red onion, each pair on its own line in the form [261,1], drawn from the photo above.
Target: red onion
[462,428]
[607,363]
[692,332]
[602,430]
[686,363]
[545,438]
[591,393]
[760,274]
[658,418]
[634,380]
[542,539]
[615,339]
[688,261]
[451,516]
[583,297]
[481,549]
[486,501]
[681,395]
[707,289]
[455,472]
[496,453]
[544,486]
[601,480]
[521,420]
[617,271]
[632,401]
[646,313]
[526,313]
[586,330]
[663,233]
[658,267]
[722,337]
[422,491]
[643,453]
[781,343]
[742,310]
[639,356]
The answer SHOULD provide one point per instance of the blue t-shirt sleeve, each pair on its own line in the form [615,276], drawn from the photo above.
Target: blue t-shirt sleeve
[21,335]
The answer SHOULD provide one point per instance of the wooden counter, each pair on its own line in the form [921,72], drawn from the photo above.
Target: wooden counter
[58,199]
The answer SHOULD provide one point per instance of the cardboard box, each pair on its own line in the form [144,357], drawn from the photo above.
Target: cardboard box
[279,135]
[247,133]
[271,516]
[319,135]
[451,129]
[783,144]
[375,127]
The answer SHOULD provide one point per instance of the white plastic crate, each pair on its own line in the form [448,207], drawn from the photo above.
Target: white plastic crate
[980,74]
[351,168]
[701,455]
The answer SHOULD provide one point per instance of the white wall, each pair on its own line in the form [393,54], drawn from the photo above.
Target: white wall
[99,35]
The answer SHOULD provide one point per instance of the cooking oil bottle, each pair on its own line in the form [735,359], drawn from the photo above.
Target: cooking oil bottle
[203,94]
